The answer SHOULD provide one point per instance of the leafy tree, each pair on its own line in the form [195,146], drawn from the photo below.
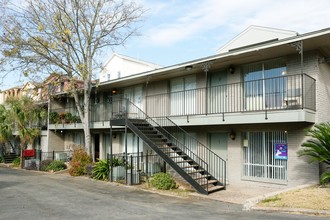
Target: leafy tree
[318,147]
[65,36]
[6,131]
[24,114]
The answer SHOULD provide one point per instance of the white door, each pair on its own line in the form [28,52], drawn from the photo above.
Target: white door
[134,94]
[217,101]
[219,145]
[183,95]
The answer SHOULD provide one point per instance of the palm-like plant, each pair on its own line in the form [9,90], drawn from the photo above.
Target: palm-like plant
[23,114]
[101,170]
[5,126]
[318,147]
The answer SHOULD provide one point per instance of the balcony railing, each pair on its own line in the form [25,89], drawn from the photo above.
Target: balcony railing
[278,93]
[287,92]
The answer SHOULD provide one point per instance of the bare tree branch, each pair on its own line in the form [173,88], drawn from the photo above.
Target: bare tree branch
[65,36]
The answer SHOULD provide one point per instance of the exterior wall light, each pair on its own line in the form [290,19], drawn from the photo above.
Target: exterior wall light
[114,91]
[188,68]
[231,69]
[232,135]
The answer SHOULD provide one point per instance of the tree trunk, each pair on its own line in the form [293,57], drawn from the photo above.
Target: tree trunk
[87,132]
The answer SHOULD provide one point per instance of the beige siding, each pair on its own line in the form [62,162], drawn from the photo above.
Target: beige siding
[55,141]
[323,93]
[299,171]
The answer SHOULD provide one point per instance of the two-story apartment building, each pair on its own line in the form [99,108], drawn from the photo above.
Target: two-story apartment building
[248,106]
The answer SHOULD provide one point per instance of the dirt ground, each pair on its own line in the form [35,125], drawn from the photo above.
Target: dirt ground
[316,198]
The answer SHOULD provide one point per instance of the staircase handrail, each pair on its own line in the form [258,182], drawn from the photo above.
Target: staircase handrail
[208,154]
[190,152]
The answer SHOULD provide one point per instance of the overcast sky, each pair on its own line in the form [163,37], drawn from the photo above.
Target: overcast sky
[176,31]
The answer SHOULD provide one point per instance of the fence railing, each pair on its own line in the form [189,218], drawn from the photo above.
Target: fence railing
[134,168]
[277,93]
[33,163]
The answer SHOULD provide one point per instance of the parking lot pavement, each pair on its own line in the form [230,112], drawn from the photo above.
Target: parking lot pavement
[36,195]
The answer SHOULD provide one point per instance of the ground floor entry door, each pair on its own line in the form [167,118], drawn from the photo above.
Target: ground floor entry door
[218,143]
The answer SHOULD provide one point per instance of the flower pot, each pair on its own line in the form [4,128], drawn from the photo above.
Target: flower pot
[118,173]
[133,178]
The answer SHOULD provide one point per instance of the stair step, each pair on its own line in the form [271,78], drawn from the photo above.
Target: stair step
[196,171]
[179,156]
[205,176]
[209,182]
[169,147]
[215,189]
[9,158]
[185,161]
[191,166]
[172,150]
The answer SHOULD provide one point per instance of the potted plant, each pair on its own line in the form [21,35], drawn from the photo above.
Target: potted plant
[54,117]
[76,119]
[118,168]
[68,117]
[62,117]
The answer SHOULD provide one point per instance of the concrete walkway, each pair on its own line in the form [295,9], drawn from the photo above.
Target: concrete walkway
[241,194]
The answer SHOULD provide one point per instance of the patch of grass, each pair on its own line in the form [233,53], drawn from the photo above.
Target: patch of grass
[17,162]
[271,199]
[315,198]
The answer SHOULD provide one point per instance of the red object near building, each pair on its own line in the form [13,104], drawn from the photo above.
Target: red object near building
[28,153]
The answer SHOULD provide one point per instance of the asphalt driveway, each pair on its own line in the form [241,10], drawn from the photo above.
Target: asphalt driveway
[36,195]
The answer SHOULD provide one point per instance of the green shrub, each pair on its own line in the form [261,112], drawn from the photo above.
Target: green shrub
[101,170]
[1,159]
[54,117]
[44,164]
[17,162]
[163,181]
[56,165]
[117,162]
[80,159]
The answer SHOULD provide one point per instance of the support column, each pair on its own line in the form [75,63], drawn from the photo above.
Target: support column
[205,67]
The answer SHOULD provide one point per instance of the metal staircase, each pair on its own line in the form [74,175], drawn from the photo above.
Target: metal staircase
[196,163]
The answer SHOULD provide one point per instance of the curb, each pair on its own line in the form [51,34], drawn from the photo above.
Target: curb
[292,210]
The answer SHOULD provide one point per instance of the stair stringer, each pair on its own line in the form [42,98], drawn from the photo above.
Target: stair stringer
[167,159]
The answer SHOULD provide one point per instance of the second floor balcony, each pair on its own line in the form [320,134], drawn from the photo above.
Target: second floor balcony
[287,98]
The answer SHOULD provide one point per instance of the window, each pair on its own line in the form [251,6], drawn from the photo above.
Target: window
[78,138]
[264,86]
[259,157]
[183,95]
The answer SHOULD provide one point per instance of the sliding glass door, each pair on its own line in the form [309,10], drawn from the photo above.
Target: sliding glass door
[183,95]
[264,85]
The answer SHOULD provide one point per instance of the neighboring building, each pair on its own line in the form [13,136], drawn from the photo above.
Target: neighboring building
[250,104]
[255,35]
[56,85]
[12,92]
[119,66]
